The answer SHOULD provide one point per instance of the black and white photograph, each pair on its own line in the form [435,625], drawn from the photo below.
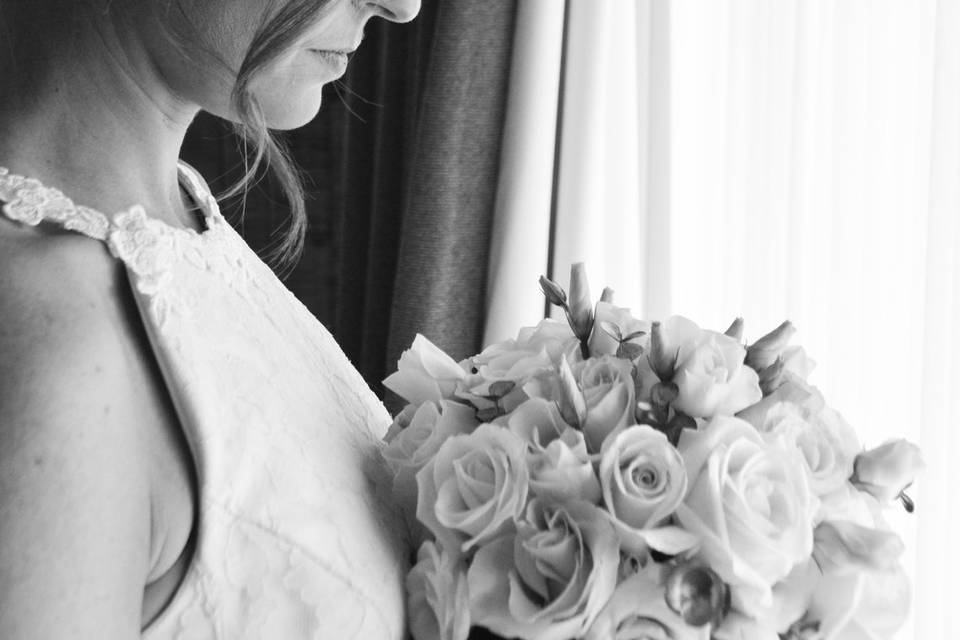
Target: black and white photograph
[479,319]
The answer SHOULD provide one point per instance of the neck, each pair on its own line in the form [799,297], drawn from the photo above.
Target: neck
[88,113]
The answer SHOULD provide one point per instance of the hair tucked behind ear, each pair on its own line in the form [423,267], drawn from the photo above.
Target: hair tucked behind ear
[269,41]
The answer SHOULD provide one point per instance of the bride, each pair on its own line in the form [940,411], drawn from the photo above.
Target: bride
[184,450]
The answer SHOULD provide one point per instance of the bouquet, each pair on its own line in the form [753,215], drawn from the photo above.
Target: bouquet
[607,477]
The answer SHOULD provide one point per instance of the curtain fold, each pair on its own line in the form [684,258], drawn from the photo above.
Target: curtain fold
[445,242]
[519,244]
[937,559]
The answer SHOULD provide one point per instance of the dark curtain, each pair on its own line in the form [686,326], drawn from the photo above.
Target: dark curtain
[401,165]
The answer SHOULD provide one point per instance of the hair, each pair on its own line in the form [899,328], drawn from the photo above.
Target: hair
[261,147]
[269,42]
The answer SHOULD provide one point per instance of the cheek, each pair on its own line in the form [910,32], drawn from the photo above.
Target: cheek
[198,45]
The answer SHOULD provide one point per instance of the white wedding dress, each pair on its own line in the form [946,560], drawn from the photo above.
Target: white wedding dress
[296,537]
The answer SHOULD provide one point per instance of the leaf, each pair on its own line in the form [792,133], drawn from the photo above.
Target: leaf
[629,351]
[501,388]
[611,330]
[664,393]
[489,414]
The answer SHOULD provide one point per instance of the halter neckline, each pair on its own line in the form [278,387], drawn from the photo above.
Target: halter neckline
[30,202]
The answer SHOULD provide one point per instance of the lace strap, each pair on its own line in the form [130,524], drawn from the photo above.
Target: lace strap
[30,202]
[197,186]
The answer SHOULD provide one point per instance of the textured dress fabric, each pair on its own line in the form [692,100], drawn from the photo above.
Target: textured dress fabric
[296,536]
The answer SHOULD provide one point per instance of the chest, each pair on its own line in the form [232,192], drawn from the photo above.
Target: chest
[295,522]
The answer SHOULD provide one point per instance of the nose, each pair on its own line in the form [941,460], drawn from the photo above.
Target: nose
[396,10]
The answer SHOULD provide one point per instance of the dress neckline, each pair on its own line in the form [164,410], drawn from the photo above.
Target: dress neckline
[29,201]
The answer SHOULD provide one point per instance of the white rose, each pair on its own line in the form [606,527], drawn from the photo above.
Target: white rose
[473,488]
[537,421]
[429,427]
[562,471]
[797,363]
[400,422]
[550,578]
[866,605]
[609,394]
[637,610]
[551,337]
[828,444]
[643,481]
[750,504]
[841,546]
[791,598]
[602,343]
[425,373]
[885,471]
[710,373]
[437,602]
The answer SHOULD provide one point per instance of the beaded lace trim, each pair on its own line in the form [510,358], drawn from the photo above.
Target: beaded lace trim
[29,202]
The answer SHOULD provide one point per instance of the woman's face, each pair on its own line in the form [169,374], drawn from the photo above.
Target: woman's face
[214,33]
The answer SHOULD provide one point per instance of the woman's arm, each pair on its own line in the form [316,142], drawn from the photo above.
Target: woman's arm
[75,509]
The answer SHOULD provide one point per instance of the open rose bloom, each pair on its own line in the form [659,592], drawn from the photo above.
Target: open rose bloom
[608,477]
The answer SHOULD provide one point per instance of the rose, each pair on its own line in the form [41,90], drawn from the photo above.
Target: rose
[791,598]
[885,471]
[420,439]
[529,362]
[608,315]
[709,373]
[400,422]
[841,546]
[548,579]
[793,391]
[550,337]
[425,373]
[642,476]
[437,601]
[609,395]
[473,488]
[796,363]
[637,610]
[828,444]
[870,604]
[750,504]
[562,471]
[536,421]
[643,481]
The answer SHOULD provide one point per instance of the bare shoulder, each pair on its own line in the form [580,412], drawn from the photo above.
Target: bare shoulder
[80,418]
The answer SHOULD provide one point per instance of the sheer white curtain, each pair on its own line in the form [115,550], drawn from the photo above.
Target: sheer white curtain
[792,159]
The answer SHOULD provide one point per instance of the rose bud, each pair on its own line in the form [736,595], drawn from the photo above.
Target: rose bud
[840,546]
[697,594]
[663,364]
[607,295]
[772,377]
[580,305]
[735,330]
[553,292]
[764,352]
[573,406]
[886,471]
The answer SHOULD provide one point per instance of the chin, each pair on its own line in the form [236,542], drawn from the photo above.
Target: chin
[291,111]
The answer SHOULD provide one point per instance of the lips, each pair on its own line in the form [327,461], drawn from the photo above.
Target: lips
[335,59]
